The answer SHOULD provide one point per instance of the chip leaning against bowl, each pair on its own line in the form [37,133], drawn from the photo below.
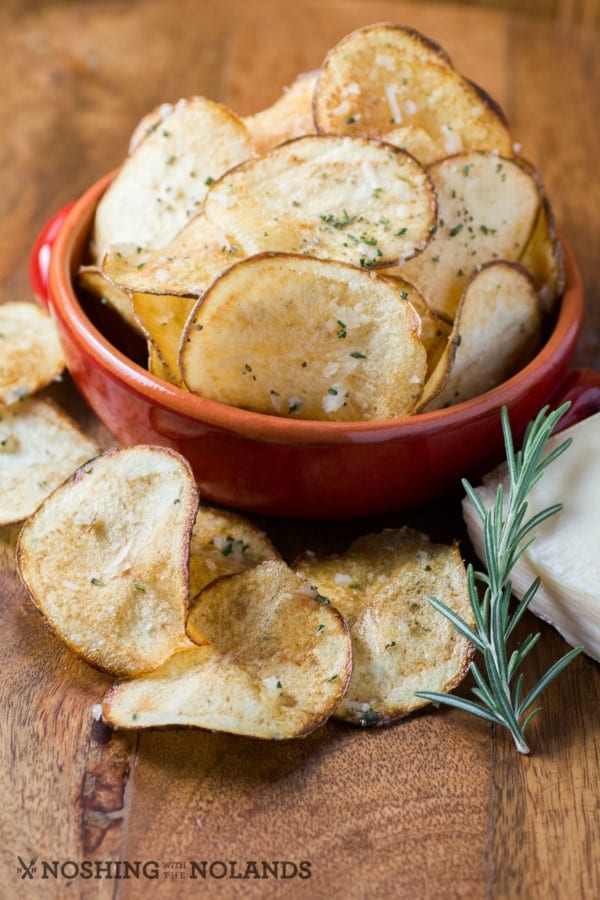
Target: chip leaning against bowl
[386,160]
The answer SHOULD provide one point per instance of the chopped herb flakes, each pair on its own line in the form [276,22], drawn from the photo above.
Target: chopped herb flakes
[96,581]
[336,222]
[370,717]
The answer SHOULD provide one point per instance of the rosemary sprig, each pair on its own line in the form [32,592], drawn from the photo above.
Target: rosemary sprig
[506,537]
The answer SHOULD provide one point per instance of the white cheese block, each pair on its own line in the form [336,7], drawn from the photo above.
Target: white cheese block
[566,550]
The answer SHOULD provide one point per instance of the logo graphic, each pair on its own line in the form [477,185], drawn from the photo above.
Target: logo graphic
[26,870]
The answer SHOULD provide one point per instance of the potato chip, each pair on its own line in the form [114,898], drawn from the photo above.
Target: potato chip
[400,644]
[105,558]
[543,258]
[297,336]
[92,280]
[39,447]
[384,76]
[30,352]
[224,543]
[277,663]
[162,185]
[289,117]
[434,332]
[487,208]
[163,318]
[415,141]
[150,123]
[497,330]
[186,266]
[158,367]
[341,198]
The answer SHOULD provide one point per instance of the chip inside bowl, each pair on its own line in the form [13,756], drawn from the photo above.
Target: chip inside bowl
[497,330]
[297,336]
[162,185]
[383,77]
[332,197]
[487,208]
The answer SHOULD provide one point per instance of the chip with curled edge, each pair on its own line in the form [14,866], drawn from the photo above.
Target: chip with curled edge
[400,644]
[105,558]
[223,543]
[39,447]
[30,352]
[274,661]
[384,77]
[306,338]
[162,185]
[329,196]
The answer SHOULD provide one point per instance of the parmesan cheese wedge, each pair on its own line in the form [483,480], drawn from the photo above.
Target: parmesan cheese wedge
[564,553]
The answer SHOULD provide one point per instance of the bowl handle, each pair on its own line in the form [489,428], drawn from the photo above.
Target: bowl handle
[39,261]
[581,387]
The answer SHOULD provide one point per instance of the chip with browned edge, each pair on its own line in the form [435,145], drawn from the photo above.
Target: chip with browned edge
[400,644]
[275,664]
[302,337]
[497,330]
[30,351]
[39,447]
[223,543]
[105,558]
[333,197]
[384,77]
[162,185]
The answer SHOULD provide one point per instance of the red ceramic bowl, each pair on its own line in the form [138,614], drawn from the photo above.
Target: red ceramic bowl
[290,467]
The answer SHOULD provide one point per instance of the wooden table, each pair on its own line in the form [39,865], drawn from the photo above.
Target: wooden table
[437,806]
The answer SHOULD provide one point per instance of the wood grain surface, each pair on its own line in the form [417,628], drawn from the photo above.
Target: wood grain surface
[437,806]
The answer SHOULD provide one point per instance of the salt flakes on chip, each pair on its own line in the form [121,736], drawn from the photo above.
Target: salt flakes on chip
[274,662]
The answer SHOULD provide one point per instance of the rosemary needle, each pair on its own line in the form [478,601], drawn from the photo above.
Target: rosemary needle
[506,536]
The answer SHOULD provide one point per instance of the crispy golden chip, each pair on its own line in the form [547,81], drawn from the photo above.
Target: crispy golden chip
[163,318]
[224,543]
[400,643]
[277,663]
[163,184]
[92,280]
[297,336]
[105,558]
[289,117]
[415,141]
[434,332]
[39,447]
[186,266]
[150,122]
[384,76]
[30,352]
[342,198]
[497,330]
[543,258]
[157,366]
[487,208]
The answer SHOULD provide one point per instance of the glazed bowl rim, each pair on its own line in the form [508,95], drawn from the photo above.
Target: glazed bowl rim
[65,305]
